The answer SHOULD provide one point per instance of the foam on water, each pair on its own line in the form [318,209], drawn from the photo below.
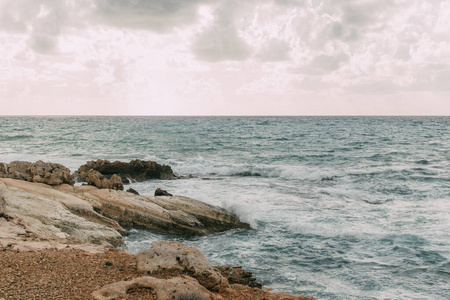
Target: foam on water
[341,207]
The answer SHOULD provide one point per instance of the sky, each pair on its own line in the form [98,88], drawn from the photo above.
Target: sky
[225,57]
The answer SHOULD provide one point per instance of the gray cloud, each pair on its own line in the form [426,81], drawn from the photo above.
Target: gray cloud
[156,15]
[221,42]
[15,18]
[43,20]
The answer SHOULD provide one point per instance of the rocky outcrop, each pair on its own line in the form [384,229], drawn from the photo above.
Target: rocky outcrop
[138,170]
[177,258]
[98,180]
[42,172]
[160,192]
[237,275]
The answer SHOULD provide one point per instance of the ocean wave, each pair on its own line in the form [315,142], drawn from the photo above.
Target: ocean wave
[6,138]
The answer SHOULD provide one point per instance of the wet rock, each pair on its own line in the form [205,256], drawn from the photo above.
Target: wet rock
[178,258]
[174,288]
[160,192]
[98,180]
[133,191]
[236,275]
[138,170]
[42,172]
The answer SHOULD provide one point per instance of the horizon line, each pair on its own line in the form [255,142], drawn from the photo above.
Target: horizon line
[325,115]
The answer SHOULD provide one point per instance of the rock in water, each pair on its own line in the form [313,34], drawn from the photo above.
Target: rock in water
[48,173]
[98,180]
[180,259]
[160,192]
[138,170]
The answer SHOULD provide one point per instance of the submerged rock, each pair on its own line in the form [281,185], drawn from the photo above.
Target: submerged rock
[138,170]
[42,172]
[160,192]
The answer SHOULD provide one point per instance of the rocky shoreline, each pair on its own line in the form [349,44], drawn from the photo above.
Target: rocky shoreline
[42,214]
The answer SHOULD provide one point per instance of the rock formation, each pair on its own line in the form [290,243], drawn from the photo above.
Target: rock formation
[48,173]
[160,192]
[177,258]
[98,180]
[138,170]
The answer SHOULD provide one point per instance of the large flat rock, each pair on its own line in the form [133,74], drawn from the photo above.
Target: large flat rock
[168,214]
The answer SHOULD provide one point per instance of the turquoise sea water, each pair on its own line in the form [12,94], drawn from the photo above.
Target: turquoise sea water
[341,207]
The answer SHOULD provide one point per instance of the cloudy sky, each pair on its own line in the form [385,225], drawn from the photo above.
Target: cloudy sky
[225,57]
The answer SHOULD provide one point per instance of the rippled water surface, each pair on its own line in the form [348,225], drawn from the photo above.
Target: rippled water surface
[342,207]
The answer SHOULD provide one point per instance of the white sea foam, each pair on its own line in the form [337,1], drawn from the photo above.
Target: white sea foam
[244,212]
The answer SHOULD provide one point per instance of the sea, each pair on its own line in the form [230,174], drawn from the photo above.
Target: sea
[340,207]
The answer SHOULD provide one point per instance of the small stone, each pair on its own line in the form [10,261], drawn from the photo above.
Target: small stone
[160,192]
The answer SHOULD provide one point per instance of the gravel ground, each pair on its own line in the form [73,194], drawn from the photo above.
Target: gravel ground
[64,274]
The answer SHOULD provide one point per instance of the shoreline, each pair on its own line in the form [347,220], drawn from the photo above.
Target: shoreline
[47,231]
